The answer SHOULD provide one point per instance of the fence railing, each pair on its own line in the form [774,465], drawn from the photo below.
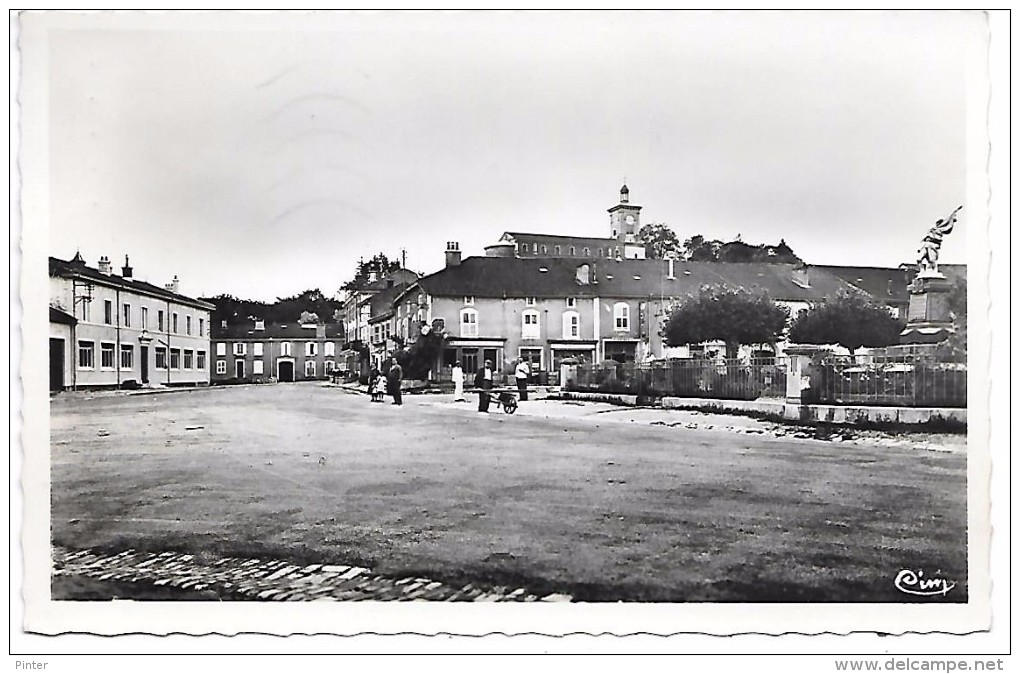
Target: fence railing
[897,379]
[732,379]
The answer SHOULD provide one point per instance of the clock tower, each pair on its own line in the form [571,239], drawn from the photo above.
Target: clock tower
[625,218]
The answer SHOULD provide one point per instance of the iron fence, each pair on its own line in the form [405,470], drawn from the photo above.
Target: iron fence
[730,379]
[903,379]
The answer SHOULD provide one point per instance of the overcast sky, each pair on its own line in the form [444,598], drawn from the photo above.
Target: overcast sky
[265,156]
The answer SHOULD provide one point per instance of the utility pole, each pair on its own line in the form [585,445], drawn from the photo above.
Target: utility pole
[403,258]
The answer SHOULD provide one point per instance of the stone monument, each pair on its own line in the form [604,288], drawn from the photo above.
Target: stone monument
[928,317]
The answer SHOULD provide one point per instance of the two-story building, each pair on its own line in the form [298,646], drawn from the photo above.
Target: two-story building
[113,331]
[286,352]
[548,309]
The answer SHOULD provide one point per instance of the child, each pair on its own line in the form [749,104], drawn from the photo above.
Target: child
[378,388]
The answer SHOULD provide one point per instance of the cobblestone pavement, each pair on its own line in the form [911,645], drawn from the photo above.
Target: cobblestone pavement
[271,580]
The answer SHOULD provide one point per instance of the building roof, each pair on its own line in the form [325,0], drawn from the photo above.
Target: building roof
[887,284]
[79,269]
[551,238]
[293,330]
[381,303]
[558,277]
[60,316]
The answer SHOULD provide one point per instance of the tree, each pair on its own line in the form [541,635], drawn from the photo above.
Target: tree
[422,355]
[731,315]
[851,319]
[956,346]
[660,241]
[698,249]
[379,263]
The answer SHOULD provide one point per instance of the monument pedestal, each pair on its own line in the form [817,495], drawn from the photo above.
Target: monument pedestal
[928,317]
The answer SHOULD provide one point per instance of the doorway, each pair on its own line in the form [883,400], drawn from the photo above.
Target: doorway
[143,358]
[239,369]
[285,370]
[56,364]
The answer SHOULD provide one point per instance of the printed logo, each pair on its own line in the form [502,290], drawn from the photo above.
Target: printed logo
[914,582]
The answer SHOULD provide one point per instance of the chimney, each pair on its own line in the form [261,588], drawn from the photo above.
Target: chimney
[452,253]
[126,271]
[800,276]
[174,286]
[105,267]
[670,275]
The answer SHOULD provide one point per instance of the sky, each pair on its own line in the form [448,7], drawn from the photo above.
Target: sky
[261,155]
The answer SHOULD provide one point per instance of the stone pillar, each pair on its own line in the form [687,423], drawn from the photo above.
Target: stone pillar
[798,378]
[928,316]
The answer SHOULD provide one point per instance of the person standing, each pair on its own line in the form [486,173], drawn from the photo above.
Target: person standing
[458,383]
[483,382]
[393,378]
[523,373]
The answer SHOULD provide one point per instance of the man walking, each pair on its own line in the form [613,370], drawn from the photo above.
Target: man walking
[393,378]
[483,382]
[523,373]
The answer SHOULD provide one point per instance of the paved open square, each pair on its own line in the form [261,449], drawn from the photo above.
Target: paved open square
[582,500]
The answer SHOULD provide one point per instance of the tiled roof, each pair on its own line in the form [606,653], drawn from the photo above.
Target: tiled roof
[883,283]
[557,277]
[64,268]
[382,302]
[59,316]
[273,331]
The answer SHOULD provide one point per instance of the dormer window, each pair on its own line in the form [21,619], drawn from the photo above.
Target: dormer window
[571,301]
[529,301]
[469,299]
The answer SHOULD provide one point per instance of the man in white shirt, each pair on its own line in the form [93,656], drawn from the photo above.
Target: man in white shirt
[523,373]
[458,383]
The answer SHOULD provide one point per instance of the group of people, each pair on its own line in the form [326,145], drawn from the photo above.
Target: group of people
[483,382]
[380,385]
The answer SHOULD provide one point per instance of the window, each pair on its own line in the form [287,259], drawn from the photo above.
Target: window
[221,348]
[468,323]
[621,316]
[600,252]
[201,327]
[556,249]
[530,328]
[86,355]
[571,301]
[127,315]
[127,357]
[309,368]
[240,348]
[257,367]
[174,325]
[536,247]
[106,356]
[145,318]
[544,250]
[330,366]
[586,251]
[573,250]
[200,360]
[86,310]
[529,301]
[175,359]
[535,356]
[256,349]
[221,367]
[571,325]
[160,357]
[330,348]
[159,320]
[108,312]
[311,348]
[284,348]
[469,299]
[189,359]
[187,324]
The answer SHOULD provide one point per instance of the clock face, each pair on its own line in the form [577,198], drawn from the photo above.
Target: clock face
[629,219]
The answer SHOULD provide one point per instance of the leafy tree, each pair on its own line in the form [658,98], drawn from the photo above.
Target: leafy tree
[284,310]
[698,249]
[422,355]
[851,319]
[660,241]
[732,315]
[379,263]
[956,346]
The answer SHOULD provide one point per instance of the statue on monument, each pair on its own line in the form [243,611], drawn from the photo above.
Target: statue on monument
[928,254]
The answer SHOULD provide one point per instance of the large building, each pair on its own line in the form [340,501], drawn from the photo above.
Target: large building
[624,225]
[255,351]
[548,309]
[114,331]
